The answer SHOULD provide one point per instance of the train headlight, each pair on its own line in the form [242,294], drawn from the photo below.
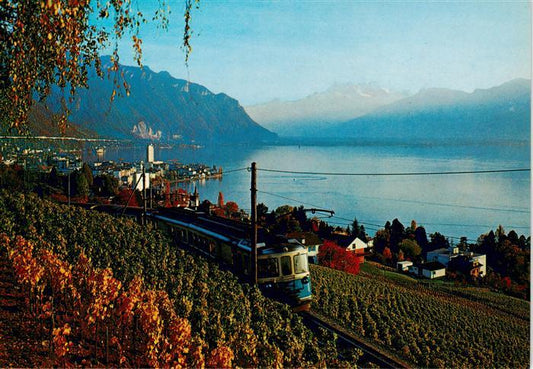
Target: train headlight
[305,280]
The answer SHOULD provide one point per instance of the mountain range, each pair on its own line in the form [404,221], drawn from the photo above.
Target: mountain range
[318,111]
[501,112]
[163,108]
[159,107]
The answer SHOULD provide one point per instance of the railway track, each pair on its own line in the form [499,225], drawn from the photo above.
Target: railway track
[370,353]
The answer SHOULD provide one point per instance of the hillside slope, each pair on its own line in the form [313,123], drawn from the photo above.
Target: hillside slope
[160,107]
[426,323]
[222,312]
[44,122]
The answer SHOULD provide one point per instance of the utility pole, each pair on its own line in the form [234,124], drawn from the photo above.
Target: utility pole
[253,235]
[68,188]
[144,196]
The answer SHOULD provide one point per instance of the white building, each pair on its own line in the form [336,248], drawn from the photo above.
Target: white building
[482,260]
[353,244]
[136,177]
[433,270]
[444,256]
[403,266]
[150,153]
[429,270]
[100,151]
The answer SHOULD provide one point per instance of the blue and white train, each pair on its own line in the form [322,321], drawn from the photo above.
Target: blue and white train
[282,264]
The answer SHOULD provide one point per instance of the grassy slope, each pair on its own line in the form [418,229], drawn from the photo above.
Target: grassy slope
[428,324]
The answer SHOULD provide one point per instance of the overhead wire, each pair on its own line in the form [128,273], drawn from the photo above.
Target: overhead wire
[371,225]
[449,205]
[288,198]
[381,226]
[417,173]
[234,170]
[396,173]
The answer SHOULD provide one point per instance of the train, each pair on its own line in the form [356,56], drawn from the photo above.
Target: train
[282,263]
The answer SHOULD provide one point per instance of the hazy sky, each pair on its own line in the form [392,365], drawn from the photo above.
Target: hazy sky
[256,51]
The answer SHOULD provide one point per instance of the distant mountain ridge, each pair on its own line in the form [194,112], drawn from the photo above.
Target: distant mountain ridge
[316,112]
[501,112]
[160,107]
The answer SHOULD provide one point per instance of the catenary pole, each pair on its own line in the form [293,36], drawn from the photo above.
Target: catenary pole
[144,196]
[68,188]
[253,235]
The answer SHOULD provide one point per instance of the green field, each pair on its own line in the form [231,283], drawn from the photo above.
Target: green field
[426,324]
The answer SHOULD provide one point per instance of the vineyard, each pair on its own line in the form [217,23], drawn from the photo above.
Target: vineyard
[138,299]
[429,325]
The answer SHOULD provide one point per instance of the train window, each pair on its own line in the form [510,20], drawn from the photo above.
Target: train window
[267,268]
[226,253]
[286,268]
[300,263]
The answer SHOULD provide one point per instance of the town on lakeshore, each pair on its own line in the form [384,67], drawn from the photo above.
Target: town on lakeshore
[162,179]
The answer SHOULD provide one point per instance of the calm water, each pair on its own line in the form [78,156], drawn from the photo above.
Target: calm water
[455,205]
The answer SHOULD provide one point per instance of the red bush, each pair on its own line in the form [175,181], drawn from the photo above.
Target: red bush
[124,195]
[333,256]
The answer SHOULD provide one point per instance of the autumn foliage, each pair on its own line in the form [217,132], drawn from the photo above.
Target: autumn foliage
[221,312]
[333,256]
[89,317]
[49,43]
[126,196]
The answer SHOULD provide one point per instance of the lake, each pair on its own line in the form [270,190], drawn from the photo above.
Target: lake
[454,205]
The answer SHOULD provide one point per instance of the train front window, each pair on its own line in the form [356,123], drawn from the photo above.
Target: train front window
[300,264]
[267,268]
[286,265]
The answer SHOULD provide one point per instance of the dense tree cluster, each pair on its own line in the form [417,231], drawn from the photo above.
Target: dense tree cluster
[80,184]
[397,242]
[508,255]
[509,259]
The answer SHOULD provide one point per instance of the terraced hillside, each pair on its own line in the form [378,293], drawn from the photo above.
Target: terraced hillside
[222,312]
[428,324]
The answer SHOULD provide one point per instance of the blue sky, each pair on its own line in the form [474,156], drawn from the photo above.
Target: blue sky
[257,51]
